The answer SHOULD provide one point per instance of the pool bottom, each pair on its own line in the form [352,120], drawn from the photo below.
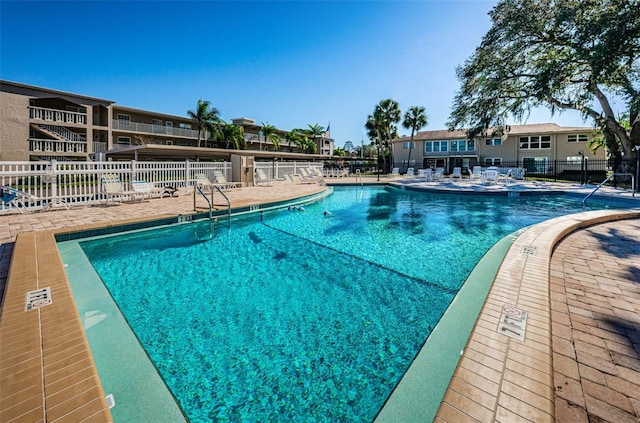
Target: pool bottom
[127,373]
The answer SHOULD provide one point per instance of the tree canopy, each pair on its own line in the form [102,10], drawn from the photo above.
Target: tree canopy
[562,54]
[208,119]
[415,119]
[270,133]
[381,124]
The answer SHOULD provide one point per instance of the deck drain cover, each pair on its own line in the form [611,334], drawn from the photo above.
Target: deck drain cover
[38,298]
[529,250]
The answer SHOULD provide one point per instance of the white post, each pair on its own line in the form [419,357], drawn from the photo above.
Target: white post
[54,180]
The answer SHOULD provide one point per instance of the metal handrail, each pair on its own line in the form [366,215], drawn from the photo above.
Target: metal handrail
[228,202]
[633,192]
[205,197]
[359,175]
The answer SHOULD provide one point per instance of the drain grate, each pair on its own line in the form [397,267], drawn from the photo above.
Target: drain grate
[37,298]
[529,250]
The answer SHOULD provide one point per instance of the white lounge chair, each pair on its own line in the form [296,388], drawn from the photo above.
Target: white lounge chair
[518,173]
[490,176]
[113,189]
[456,173]
[203,181]
[314,171]
[425,175]
[262,179]
[296,178]
[147,189]
[410,173]
[395,172]
[476,173]
[439,174]
[221,181]
[310,175]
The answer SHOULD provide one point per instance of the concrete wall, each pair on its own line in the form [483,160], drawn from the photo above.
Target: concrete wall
[14,127]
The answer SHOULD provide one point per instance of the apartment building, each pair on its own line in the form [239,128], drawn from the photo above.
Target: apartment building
[44,124]
[531,146]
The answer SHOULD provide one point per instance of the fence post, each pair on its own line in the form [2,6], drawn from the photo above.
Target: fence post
[133,171]
[187,172]
[53,177]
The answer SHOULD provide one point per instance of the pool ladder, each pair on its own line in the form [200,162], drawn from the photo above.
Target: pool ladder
[359,175]
[210,202]
[633,185]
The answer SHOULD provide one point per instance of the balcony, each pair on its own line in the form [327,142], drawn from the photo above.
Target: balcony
[147,128]
[55,115]
[99,147]
[55,146]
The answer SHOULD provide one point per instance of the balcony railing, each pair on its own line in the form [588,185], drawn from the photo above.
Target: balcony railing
[55,115]
[99,147]
[54,146]
[147,128]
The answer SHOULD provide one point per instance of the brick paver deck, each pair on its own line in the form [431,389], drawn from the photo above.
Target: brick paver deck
[595,310]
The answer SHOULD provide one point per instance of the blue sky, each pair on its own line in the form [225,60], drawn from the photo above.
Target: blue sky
[288,63]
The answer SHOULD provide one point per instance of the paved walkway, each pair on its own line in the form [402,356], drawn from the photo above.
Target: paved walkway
[595,303]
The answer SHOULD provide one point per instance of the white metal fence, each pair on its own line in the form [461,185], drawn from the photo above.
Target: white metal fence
[277,170]
[79,183]
[71,183]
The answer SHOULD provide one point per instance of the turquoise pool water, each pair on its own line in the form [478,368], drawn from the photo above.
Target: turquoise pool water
[303,315]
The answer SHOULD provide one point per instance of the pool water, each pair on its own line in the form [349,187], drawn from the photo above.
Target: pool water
[303,314]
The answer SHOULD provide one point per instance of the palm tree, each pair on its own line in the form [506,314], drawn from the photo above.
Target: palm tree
[310,147]
[302,141]
[234,134]
[292,137]
[270,133]
[207,117]
[339,152]
[415,119]
[374,131]
[314,131]
[387,114]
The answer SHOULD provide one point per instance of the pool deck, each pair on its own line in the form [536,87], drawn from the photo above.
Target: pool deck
[577,277]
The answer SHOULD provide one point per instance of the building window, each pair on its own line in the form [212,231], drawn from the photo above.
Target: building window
[124,140]
[407,143]
[463,145]
[76,109]
[435,146]
[471,145]
[124,120]
[184,125]
[493,161]
[156,122]
[535,164]
[493,141]
[535,142]
[577,138]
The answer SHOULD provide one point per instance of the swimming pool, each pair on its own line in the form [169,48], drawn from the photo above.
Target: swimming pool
[303,315]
